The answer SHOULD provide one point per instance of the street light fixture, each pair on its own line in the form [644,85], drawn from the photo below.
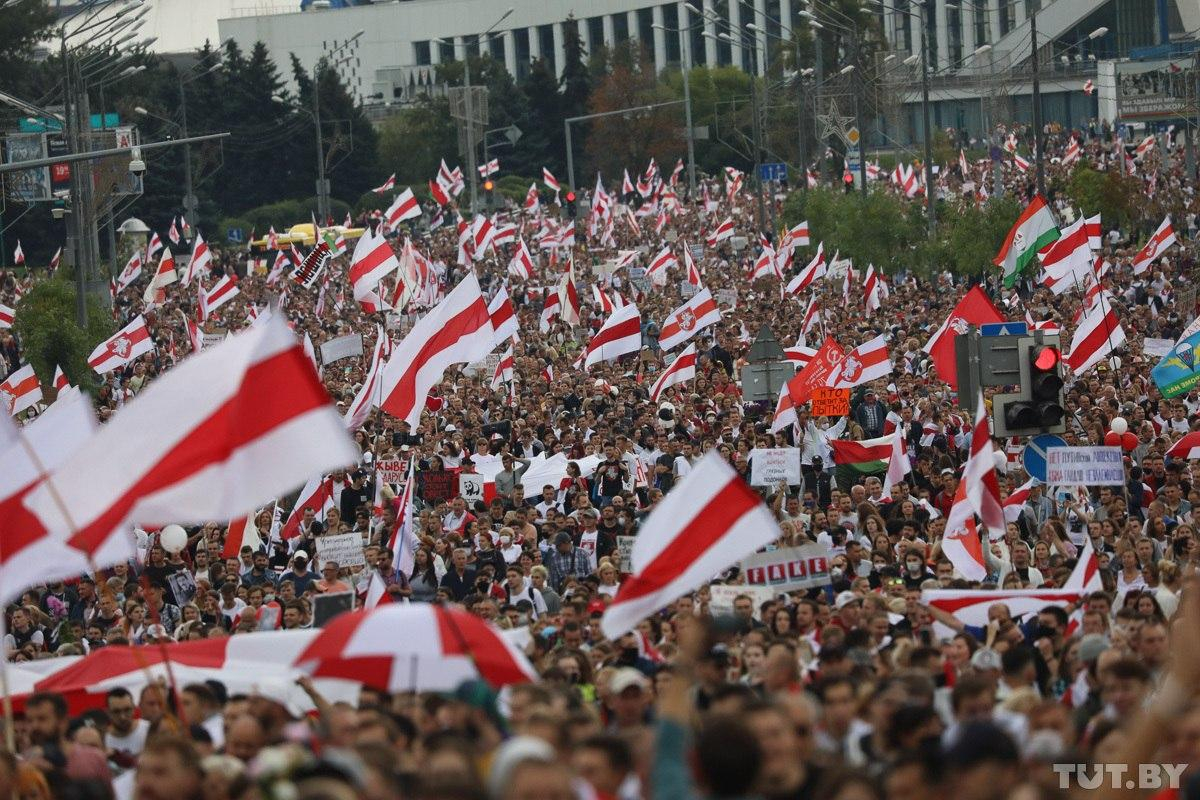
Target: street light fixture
[846,70]
[1096,34]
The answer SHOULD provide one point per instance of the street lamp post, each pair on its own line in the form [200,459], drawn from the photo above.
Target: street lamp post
[570,120]
[1039,161]
[685,67]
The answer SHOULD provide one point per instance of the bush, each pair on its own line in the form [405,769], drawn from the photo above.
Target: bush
[50,335]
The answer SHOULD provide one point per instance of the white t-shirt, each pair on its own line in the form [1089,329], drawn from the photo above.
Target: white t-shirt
[232,613]
[131,743]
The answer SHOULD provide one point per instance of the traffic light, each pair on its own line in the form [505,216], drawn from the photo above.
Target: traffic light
[489,193]
[1039,405]
[571,205]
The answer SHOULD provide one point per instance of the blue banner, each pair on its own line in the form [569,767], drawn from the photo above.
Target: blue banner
[1179,370]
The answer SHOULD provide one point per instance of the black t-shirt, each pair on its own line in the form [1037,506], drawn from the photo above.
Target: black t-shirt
[611,474]
[665,480]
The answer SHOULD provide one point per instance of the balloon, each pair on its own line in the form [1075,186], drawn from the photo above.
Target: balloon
[1129,441]
[1112,439]
[173,538]
[1118,425]
[1001,459]
[1115,362]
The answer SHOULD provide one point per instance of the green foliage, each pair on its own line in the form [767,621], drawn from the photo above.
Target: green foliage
[875,229]
[413,142]
[229,223]
[1117,198]
[514,187]
[286,213]
[50,335]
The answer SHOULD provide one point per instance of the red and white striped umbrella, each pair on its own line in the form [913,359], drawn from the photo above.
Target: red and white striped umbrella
[414,647]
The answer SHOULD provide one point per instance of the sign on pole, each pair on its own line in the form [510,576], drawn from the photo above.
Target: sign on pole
[342,347]
[1033,456]
[1085,466]
[776,171]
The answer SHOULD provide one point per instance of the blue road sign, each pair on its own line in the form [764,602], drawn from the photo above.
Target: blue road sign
[1033,457]
[776,171]
[1004,329]
[235,235]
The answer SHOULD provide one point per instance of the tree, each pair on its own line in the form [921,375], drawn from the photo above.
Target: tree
[1117,198]
[631,138]
[544,116]
[576,80]
[25,26]
[51,337]
[413,142]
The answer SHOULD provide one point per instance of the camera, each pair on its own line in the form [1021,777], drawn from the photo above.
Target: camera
[136,165]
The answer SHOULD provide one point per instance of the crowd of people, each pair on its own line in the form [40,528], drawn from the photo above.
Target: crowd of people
[857,689]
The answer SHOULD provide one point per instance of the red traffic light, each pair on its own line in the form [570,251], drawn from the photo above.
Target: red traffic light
[1047,359]
[570,197]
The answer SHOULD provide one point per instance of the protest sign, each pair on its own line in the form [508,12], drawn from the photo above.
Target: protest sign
[1179,371]
[213,339]
[392,471]
[625,554]
[470,487]
[346,346]
[344,548]
[1084,466]
[183,586]
[726,297]
[687,290]
[769,466]
[722,597]
[328,606]
[830,402]
[1157,348]
[788,568]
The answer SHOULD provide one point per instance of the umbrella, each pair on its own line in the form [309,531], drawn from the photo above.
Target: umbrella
[414,647]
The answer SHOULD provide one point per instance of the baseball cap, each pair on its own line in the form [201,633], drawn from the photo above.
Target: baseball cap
[450,429]
[562,537]
[628,678]
[985,658]
[1091,646]
[844,599]
[300,554]
[947,471]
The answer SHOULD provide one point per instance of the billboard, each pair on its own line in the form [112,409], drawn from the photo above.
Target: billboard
[30,185]
[1155,90]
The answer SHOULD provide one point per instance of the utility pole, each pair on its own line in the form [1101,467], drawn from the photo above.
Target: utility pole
[189,198]
[1037,107]
[74,240]
[802,179]
[929,204]
[322,181]
[858,122]
[756,132]
[685,67]
[471,168]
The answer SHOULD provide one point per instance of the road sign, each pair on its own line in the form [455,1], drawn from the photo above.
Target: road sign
[776,171]
[1033,457]
[235,235]
[852,136]
[1004,329]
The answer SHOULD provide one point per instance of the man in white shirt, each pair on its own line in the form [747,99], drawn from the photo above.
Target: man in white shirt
[126,735]
[518,588]
[683,461]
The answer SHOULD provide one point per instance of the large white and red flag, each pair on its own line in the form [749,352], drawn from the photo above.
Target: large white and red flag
[7,316]
[29,557]
[503,315]
[122,347]
[1070,258]
[813,271]
[766,265]
[403,542]
[243,532]
[568,296]
[960,542]
[194,334]
[405,206]
[620,335]
[482,231]
[683,323]
[871,289]
[710,521]
[132,269]
[521,265]
[1016,501]
[1163,238]
[490,168]
[153,246]
[457,330]
[797,236]
[682,369]
[20,390]
[164,276]
[1097,334]
[60,379]
[221,293]
[551,310]
[367,396]
[373,260]
[657,271]
[689,263]
[812,315]
[201,261]
[724,231]
[1187,448]
[228,429]
[867,362]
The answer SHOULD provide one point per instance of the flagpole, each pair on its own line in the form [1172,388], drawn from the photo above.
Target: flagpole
[9,733]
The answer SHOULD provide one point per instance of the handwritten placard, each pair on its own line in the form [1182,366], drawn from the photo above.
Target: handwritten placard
[830,402]
[344,548]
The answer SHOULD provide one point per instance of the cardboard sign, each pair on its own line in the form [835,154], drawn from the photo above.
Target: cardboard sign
[721,598]
[1085,466]
[625,554]
[350,345]
[1157,347]
[726,297]
[470,487]
[213,339]
[344,548]
[788,569]
[830,402]
[393,471]
[327,606]
[687,290]
[769,466]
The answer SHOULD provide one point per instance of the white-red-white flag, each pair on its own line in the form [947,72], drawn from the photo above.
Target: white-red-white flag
[153,247]
[20,390]
[173,232]
[1097,334]
[387,186]
[221,293]
[373,260]
[164,276]
[871,289]
[122,347]
[456,331]
[551,310]
[867,362]
[707,523]
[7,316]
[813,271]
[620,334]
[490,168]
[550,181]
[661,263]
[689,263]
[504,369]
[18,255]
[521,265]
[194,334]
[683,323]
[404,542]
[243,532]
[503,315]
[201,261]
[1163,238]
[55,261]
[60,379]
[405,206]
[568,296]
[369,392]
[724,231]
[812,316]
[682,369]
[228,429]
[133,268]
